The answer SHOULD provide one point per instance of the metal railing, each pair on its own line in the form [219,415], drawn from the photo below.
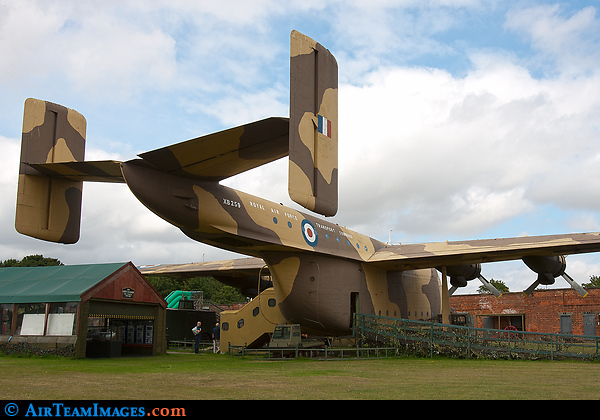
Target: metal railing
[428,339]
[184,344]
[320,353]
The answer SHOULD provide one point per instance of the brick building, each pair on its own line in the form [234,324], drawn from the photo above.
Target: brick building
[560,311]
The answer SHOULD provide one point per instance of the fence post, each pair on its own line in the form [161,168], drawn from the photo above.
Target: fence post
[362,330]
[431,342]
[551,347]
[468,342]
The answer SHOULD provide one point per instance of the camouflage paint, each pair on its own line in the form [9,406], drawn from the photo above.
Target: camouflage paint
[49,208]
[319,270]
[313,173]
[313,284]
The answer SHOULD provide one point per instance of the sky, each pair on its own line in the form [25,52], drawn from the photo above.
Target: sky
[458,119]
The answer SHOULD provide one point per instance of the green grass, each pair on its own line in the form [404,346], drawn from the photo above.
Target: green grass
[184,376]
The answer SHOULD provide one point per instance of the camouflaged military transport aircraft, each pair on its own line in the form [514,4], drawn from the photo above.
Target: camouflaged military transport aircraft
[321,272]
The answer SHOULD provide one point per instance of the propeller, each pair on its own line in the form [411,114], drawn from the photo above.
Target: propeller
[549,268]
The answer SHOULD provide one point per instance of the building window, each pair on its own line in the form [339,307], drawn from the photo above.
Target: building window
[60,319]
[6,315]
[500,322]
[31,318]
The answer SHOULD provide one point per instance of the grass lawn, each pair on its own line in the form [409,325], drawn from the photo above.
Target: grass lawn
[185,376]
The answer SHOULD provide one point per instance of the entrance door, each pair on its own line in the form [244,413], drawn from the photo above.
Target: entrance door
[354,306]
[589,324]
[566,324]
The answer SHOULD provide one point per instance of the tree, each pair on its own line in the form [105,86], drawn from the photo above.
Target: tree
[31,261]
[212,289]
[498,284]
[594,282]
[164,285]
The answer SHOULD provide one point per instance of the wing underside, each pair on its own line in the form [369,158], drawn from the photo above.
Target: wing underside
[548,250]
[239,267]
[427,255]
[250,275]
[414,256]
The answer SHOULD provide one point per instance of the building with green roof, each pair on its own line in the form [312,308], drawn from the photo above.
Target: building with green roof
[91,310]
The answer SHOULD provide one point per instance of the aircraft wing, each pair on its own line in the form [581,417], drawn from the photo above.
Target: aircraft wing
[436,254]
[242,273]
[239,267]
[412,256]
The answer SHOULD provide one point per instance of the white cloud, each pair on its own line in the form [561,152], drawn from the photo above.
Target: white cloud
[22,29]
[428,152]
[245,108]
[569,42]
[437,153]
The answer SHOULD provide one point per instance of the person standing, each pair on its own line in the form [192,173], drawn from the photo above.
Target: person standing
[197,331]
[216,336]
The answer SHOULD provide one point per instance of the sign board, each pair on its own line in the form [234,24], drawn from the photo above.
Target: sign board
[128,293]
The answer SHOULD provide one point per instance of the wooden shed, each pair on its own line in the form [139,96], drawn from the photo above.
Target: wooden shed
[93,310]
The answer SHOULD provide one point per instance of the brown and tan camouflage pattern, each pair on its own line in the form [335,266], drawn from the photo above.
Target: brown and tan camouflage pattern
[313,165]
[49,208]
[243,273]
[96,171]
[415,256]
[224,154]
[321,272]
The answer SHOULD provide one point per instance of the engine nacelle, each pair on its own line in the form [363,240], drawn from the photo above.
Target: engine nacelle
[547,268]
[461,274]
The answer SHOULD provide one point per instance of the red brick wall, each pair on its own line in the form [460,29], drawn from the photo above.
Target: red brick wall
[541,310]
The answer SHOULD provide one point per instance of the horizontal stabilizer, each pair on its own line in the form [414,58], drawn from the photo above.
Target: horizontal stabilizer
[91,171]
[224,154]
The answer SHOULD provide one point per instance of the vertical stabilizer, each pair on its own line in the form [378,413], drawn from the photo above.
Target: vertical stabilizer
[49,208]
[313,154]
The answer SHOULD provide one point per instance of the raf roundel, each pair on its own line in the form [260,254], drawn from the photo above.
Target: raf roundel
[309,233]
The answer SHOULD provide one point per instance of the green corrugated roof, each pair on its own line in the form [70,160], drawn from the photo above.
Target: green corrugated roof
[61,283]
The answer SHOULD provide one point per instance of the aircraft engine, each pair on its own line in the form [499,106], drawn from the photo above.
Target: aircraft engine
[548,268]
[461,274]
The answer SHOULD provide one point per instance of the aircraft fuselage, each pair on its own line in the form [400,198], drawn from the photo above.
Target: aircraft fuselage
[317,266]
